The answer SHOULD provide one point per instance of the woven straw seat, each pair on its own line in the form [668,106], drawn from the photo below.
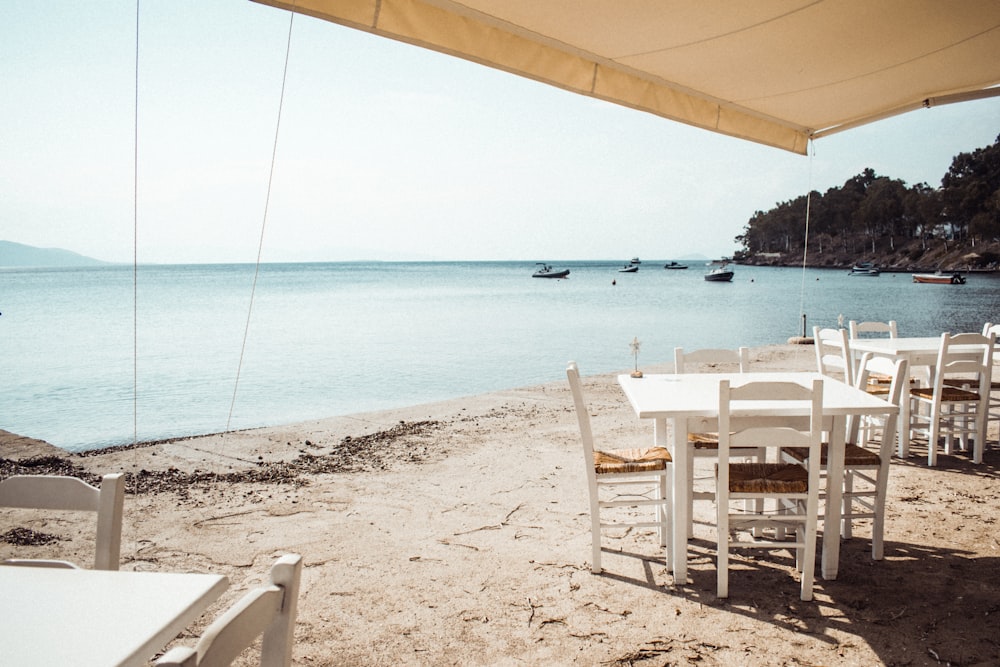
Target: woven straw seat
[768,478]
[949,394]
[853,455]
[877,389]
[704,440]
[631,460]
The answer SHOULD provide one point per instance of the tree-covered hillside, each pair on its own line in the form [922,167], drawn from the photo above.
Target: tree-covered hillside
[877,218]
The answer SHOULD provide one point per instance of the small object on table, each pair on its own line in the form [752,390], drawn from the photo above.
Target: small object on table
[635,345]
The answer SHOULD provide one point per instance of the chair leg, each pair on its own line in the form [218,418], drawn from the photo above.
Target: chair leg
[847,510]
[982,420]
[934,432]
[878,523]
[690,491]
[666,509]
[595,537]
[662,511]
[722,550]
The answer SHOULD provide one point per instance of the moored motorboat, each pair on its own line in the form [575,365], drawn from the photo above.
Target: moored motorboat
[546,271]
[629,268]
[635,260]
[866,269]
[939,278]
[674,265]
[720,274]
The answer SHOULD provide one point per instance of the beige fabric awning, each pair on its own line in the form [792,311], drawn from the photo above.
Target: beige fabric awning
[778,72]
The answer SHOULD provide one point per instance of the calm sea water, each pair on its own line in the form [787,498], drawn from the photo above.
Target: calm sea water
[339,338]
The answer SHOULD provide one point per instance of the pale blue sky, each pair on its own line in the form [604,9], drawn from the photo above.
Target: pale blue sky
[386,151]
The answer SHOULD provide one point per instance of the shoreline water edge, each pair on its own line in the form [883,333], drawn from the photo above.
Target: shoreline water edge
[82,373]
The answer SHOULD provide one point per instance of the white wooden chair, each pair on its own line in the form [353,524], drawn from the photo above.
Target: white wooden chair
[54,492]
[859,329]
[950,406]
[872,329]
[993,409]
[796,487]
[268,610]
[706,444]
[993,406]
[867,455]
[833,354]
[625,469]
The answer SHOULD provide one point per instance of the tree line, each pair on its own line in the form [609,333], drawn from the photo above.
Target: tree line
[872,213]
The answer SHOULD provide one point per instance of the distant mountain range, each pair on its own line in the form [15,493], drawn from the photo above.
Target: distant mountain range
[20,255]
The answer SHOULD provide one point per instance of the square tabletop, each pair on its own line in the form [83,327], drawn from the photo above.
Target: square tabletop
[686,395]
[98,618]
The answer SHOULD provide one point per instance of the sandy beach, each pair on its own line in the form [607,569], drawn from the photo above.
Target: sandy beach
[457,533]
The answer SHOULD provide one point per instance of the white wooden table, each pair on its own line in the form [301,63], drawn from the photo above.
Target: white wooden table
[96,618]
[690,402]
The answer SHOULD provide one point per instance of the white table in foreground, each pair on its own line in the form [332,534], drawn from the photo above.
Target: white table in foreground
[96,618]
[691,403]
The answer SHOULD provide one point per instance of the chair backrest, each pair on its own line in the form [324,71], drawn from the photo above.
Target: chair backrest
[269,610]
[583,417]
[800,426]
[952,361]
[740,357]
[858,328]
[54,492]
[990,328]
[833,353]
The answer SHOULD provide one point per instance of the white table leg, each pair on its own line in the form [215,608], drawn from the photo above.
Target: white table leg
[834,499]
[678,434]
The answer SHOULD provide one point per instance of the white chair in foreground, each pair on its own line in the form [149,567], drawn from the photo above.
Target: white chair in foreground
[54,492]
[795,487]
[955,411]
[615,469]
[833,354]
[269,610]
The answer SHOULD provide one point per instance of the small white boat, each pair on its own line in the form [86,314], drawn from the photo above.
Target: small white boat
[720,274]
[546,271]
[629,268]
[939,278]
[635,260]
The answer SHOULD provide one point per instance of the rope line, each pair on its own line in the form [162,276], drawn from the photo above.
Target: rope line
[135,240]
[805,243]
[263,224]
